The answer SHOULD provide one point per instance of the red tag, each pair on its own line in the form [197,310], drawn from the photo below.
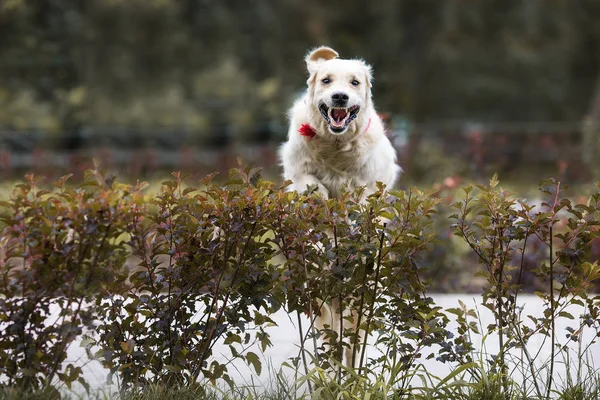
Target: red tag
[307,130]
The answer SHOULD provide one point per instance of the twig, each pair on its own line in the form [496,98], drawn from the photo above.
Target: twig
[552,318]
[359,320]
[208,345]
[372,305]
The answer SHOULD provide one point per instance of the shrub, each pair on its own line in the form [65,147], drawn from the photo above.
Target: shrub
[503,231]
[152,283]
[203,276]
[57,252]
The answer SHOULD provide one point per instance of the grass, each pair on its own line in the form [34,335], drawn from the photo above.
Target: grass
[155,392]
[165,393]
[473,382]
[587,389]
[12,393]
[488,388]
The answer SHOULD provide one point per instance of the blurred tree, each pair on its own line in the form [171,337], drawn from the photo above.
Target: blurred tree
[156,62]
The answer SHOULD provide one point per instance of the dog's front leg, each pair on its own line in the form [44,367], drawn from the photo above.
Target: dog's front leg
[303,182]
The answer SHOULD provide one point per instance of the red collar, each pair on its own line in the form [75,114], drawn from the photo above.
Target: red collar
[309,131]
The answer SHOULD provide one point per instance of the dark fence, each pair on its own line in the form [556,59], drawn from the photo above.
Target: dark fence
[513,149]
[426,151]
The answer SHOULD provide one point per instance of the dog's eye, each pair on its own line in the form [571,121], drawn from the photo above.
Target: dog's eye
[355,82]
[326,81]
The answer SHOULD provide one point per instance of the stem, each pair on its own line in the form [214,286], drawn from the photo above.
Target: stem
[361,305]
[552,305]
[169,306]
[522,267]
[500,317]
[552,316]
[284,249]
[359,320]
[340,338]
[340,354]
[302,350]
[312,315]
[500,306]
[528,356]
[213,304]
[214,298]
[372,305]
[222,310]
[65,340]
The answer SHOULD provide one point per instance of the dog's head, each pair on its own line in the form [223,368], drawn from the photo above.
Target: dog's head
[338,89]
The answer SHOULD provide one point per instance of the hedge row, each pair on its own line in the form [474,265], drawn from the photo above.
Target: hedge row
[151,283]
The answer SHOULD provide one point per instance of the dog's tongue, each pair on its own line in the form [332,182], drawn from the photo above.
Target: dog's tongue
[338,114]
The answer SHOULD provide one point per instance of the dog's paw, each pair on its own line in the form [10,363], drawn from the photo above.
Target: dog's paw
[315,188]
[318,188]
[310,184]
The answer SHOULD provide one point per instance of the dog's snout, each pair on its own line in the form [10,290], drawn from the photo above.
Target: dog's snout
[340,96]
[340,99]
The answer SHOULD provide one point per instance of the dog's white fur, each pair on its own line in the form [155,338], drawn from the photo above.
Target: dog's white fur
[359,156]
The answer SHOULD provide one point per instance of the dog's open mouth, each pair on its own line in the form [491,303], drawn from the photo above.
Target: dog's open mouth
[338,118]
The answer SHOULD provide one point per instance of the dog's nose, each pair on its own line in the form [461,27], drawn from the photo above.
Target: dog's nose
[340,99]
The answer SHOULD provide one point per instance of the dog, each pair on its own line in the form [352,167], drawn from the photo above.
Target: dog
[336,139]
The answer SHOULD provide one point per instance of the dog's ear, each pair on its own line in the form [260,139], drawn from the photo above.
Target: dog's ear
[368,77]
[368,74]
[319,55]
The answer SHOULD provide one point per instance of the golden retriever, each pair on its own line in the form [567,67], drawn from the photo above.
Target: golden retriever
[337,139]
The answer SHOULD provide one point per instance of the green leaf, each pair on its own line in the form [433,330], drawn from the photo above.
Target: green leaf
[128,346]
[494,181]
[173,368]
[231,338]
[252,359]
[87,341]
[454,373]
[189,190]
[482,274]
[565,314]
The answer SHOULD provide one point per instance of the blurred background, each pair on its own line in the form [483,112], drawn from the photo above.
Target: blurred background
[468,88]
